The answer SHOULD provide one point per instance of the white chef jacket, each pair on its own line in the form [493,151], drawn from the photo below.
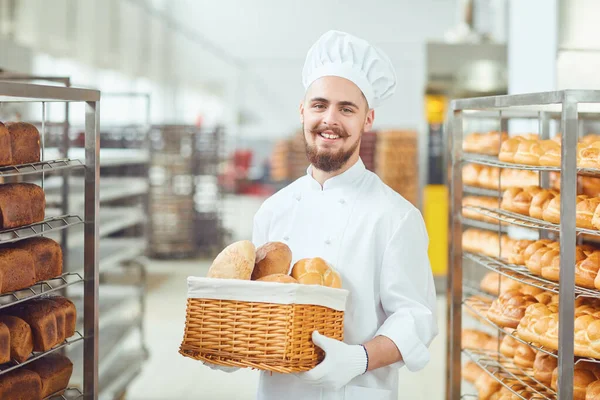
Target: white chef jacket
[377,241]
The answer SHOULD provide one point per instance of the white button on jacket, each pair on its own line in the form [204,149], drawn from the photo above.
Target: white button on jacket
[377,241]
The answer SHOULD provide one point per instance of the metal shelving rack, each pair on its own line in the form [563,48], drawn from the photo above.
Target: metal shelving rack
[11,92]
[569,108]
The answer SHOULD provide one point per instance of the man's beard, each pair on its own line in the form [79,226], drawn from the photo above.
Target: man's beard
[328,161]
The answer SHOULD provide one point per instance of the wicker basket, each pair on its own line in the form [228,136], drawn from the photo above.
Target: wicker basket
[233,323]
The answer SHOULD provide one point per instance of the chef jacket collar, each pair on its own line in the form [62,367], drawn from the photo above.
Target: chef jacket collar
[345,179]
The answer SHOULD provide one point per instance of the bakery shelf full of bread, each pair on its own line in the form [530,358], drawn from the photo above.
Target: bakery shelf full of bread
[282,301]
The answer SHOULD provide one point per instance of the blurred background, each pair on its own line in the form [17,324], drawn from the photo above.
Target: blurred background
[199,125]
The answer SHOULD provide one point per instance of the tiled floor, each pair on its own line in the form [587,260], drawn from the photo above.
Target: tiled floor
[169,376]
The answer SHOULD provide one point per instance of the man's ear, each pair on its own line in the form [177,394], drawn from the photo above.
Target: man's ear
[369,120]
[301,112]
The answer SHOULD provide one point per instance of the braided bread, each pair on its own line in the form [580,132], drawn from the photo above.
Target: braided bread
[509,308]
[540,202]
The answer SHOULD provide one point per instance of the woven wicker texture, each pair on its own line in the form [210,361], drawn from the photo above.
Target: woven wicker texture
[270,337]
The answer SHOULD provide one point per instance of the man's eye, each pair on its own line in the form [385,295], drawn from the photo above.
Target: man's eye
[319,106]
[347,110]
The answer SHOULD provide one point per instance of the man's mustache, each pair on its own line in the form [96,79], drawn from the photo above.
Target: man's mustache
[336,130]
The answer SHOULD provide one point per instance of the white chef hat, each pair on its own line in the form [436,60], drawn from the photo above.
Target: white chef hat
[341,54]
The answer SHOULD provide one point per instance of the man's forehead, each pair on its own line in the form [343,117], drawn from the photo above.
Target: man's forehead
[335,89]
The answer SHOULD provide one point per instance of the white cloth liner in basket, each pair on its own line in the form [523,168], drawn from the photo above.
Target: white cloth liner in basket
[266,292]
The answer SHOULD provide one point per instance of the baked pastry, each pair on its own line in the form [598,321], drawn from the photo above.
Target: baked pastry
[484,143]
[54,371]
[471,371]
[540,202]
[582,378]
[20,384]
[542,257]
[592,392]
[477,201]
[470,174]
[586,270]
[495,284]
[543,367]
[47,257]
[21,338]
[551,270]
[20,143]
[16,269]
[478,340]
[21,204]
[534,247]
[518,178]
[551,157]
[272,258]
[596,219]
[552,211]
[508,346]
[528,153]
[236,261]
[508,149]
[517,251]
[531,290]
[509,308]
[65,307]
[486,386]
[588,186]
[280,278]
[589,138]
[489,178]
[519,200]
[480,304]
[585,212]
[316,271]
[538,319]
[4,344]
[546,297]
[588,156]
[524,356]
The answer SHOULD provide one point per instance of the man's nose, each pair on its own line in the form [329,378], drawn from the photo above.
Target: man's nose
[330,118]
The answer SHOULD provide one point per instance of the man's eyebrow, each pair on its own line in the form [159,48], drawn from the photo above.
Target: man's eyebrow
[320,99]
[340,103]
[347,103]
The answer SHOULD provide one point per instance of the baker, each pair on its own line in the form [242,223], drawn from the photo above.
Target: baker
[372,236]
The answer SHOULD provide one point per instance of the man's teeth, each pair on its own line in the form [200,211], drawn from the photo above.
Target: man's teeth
[328,136]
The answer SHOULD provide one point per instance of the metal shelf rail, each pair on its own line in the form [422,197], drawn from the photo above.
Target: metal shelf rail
[12,92]
[570,107]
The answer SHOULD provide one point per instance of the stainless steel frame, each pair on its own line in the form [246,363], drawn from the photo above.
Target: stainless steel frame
[24,92]
[569,106]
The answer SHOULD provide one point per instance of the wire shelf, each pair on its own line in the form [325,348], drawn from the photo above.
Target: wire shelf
[492,161]
[501,369]
[47,226]
[522,274]
[69,394]
[8,367]
[525,221]
[39,289]
[488,226]
[477,191]
[44,166]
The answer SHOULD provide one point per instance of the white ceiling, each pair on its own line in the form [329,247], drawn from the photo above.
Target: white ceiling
[267,40]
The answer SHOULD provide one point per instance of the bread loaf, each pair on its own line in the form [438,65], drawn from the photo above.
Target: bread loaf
[551,157]
[16,269]
[24,145]
[272,258]
[592,392]
[486,143]
[585,212]
[20,384]
[508,346]
[588,156]
[552,211]
[540,202]
[508,149]
[509,308]
[486,386]
[519,200]
[583,377]
[47,257]
[495,284]
[21,204]
[54,371]
[478,201]
[524,356]
[543,367]
[528,153]
[586,270]
[517,251]
[470,174]
[596,219]
[316,271]
[551,270]
[280,278]
[538,319]
[236,261]
[489,178]
[21,338]
[471,371]
[589,186]
[4,343]
[477,340]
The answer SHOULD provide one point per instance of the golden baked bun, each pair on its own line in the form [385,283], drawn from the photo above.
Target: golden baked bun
[478,201]
[471,142]
[584,212]
[272,258]
[478,340]
[596,219]
[589,138]
[508,309]
[236,261]
[281,278]
[316,271]
[518,178]
[583,377]
[508,149]
[517,251]
[589,186]
[489,178]
[529,153]
[543,367]
[486,386]
[508,346]
[519,200]
[524,356]
[588,156]
[552,211]
[586,270]
[471,371]
[541,257]
[540,202]
[484,143]
[551,156]
[592,392]
[551,270]
[492,281]
[470,174]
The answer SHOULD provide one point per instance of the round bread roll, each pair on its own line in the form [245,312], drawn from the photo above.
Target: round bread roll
[540,202]
[316,271]
[551,158]
[236,261]
[281,278]
[508,149]
[543,367]
[524,356]
[589,186]
[272,258]
[529,152]
[584,213]
[593,391]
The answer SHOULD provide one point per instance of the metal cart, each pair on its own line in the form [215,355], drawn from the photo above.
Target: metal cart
[567,108]
[52,226]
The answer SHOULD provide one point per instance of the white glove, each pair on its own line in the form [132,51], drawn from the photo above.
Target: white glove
[342,363]
[220,367]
